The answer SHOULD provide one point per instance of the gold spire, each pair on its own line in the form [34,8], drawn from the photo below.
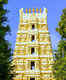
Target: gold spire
[33,10]
[37,10]
[40,10]
[21,15]
[29,10]
[26,10]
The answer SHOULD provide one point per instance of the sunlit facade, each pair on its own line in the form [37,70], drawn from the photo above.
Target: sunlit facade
[33,52]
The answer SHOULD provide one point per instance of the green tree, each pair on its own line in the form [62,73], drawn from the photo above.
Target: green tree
[5,47]
[59,66]
[62,24]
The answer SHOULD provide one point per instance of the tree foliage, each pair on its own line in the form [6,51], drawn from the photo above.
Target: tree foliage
[5,47]
[62,24]
[59,66]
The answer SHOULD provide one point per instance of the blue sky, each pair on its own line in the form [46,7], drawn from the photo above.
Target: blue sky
[54,12]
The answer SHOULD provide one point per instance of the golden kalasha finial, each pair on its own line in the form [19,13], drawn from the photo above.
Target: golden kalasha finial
[45,10]
[29,10]
[37,10]
[40,10]
[21,11]
[21,15]
[26,10]
[33,10]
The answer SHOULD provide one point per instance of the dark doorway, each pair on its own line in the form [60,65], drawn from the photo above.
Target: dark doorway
[32,65]
[32,78]
[32,50]
[33,37]
[33,26]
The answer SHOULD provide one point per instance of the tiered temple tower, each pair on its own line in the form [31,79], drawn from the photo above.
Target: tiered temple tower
[33,52]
